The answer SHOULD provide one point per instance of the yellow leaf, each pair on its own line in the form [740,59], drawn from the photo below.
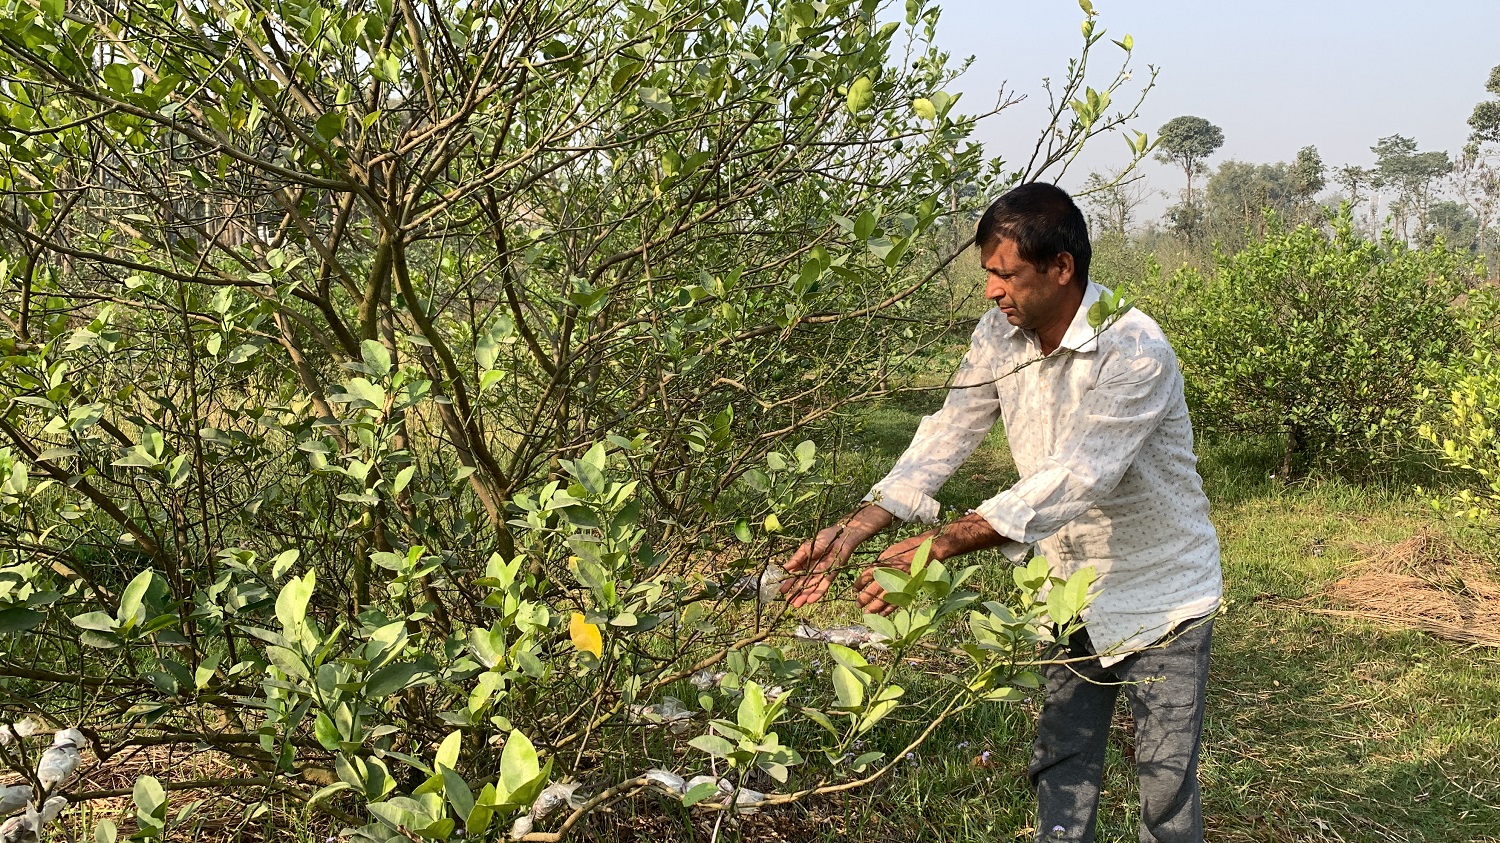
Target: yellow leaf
[585,635]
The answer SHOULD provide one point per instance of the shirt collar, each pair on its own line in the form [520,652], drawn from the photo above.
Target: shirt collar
[1082,337]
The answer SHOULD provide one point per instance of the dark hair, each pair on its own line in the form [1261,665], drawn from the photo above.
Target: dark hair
[1043,222]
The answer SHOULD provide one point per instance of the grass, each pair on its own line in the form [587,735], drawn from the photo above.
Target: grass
[1318,728]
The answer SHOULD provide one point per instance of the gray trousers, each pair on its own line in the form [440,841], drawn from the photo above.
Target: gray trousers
[1165,688]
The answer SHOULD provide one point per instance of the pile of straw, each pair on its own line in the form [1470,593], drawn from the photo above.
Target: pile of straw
[1426,583]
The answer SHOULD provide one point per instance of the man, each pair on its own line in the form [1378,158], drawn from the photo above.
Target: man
[1099,430]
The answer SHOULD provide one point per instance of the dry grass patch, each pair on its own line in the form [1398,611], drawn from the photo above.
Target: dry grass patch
[1428,583]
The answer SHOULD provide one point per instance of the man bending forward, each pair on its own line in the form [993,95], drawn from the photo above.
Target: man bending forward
[1099,431]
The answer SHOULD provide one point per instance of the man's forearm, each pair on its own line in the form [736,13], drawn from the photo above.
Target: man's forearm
[966,535]
[866,521]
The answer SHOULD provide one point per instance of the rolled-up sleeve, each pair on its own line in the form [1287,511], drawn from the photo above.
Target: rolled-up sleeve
[1094,446]
[944,439]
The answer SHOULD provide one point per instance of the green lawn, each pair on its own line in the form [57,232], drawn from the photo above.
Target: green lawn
[1319,728]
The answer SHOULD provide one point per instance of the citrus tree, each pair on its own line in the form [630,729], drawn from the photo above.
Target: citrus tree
[390,389]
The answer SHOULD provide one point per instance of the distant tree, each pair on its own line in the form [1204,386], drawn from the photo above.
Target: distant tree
[1485,121]
[1353,180]
[1476,181]
[1238,198]
[1412,175]
[1453,222]
[1187,141]
[1112,202]
[1476,177]
[1307,175]
[1358,185]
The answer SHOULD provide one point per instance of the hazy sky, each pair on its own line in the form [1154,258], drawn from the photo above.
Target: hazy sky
[1276,75]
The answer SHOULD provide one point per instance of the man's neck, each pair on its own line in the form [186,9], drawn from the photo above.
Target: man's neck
[1051,336]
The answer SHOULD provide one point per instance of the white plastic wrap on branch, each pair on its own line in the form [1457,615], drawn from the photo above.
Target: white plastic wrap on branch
[23,728]
[668,780]
[27,827]
[554,797]
[14,798]
[764,586]
[849,636]
[705,679]
[670,712]
[743,801]
[59,761]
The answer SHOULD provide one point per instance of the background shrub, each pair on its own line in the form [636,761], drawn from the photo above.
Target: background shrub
[1319,336]
[1462,411]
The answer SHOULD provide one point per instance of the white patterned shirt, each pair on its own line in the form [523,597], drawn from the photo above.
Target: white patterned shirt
[1100,434]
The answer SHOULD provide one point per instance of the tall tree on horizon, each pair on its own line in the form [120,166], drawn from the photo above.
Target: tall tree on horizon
[1413,175]
[1484,123]
[1187,141]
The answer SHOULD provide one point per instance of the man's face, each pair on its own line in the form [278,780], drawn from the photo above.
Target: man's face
[1030,297]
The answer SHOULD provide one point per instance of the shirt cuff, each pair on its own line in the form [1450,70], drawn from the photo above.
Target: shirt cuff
[904,502]
[1009,516]
[1016,552]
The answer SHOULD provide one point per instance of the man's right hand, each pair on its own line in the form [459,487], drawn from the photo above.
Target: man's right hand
[816,562]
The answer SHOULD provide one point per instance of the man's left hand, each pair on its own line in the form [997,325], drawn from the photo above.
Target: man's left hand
[968,533]
[899,556]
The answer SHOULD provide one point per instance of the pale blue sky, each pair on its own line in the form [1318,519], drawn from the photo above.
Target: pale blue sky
[1276,75]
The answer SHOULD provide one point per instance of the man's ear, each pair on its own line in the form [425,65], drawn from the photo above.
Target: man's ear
[1063,268]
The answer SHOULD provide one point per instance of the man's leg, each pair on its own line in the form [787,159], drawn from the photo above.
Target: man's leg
[1067,760]
[1165,686]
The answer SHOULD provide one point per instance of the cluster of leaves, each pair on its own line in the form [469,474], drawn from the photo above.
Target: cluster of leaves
[1462,412]
[1321,336]
[388,390]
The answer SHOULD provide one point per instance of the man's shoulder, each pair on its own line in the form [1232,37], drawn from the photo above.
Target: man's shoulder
[1136,333]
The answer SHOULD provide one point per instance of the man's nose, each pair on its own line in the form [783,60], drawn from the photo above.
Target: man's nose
[992,288]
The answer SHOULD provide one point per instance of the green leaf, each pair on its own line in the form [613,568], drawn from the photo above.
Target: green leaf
[284,562]
[752,711]
[22,619]
[330,126]
[848,686]
[447,754]
[924,108]
[481,815]
[132,606]
[97,621]
[699,792]
[742,531]
[291,603]
[386,68]
[518,762]
[713,745]
[891,579]
[1086,6]
[376,356]
[656,99]
[326,733]
[119,78]
[105,831]
[806,453]
[821,719]
[861,95]
[457,791]
[395,676]
[150,797]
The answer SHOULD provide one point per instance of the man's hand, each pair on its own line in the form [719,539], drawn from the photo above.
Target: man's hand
[968,533]
[899,556]
[815,561]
